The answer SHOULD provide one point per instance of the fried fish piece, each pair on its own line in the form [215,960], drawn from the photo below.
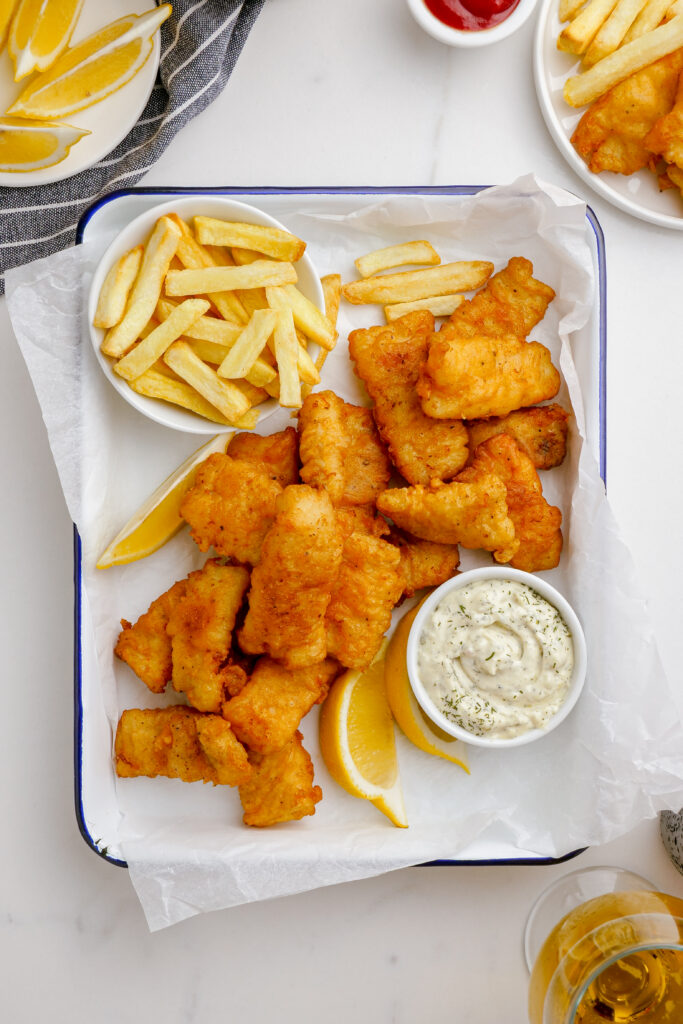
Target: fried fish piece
[180,743]
[341,451]
[200,627]
[369,584]
[292,584]
[537,524]
[277,453]
[265,715]
[666,137]
[471,511]
[540,430]
[281,786]
[231,506]
[424,563]
[146,646]
[361,519]
[388,361]
[475,376]
[612,133]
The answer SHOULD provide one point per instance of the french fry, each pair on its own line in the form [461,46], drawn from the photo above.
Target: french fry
[613,30]
[253,394]
[588,86]
[144,296]
[193,256]
[249,345]
[157,384]
[218,279]
[569,9]
[419,284]
[579,34]
[441,305]
[205,328]
[331,284]
[242,256]
[146,352]
[420,252]
[286,356]
[113,296]
[222,394]
[282,245]
[307,316]
[650,17]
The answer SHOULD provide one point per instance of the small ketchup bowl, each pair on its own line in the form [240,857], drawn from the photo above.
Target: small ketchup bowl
[470,23]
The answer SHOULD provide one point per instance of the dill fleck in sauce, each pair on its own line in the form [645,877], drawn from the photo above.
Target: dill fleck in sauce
[496,658]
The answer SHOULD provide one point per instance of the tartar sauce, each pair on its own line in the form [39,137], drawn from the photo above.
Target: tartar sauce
[496,658]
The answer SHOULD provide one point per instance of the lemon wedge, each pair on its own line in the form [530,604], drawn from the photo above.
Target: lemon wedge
[29,145]
[93,69]
[408,714]
[39,33]
[158,519]
[357,740]
[7,9]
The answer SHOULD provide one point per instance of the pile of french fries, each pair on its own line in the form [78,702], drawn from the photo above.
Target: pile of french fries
[209,318]
[614,39]
[437,288]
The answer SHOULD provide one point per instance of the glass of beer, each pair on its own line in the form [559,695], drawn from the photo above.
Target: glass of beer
[615,952]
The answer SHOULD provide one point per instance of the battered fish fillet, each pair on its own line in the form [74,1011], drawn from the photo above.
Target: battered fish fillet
[666,137]
[277,453]
[231,506]
[341,451]
[281,786]
[180,743]
[472,512]
[537,524]
[361,519]
[146,646]
[541,431]
[475,376]
[200,627]
[266,713]
[292,585]
[388,361]
[611,135]
[423,562]
[369,584]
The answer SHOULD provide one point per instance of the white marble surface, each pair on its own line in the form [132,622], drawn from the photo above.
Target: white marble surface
[324,93]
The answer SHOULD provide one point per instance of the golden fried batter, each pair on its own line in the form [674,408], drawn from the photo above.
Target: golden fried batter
[180,743]
[277,453]
[666,137]
[266,713]
[292,585]
[537,524]
[471,511]
[423,562]
[340,450]
[146,646]
[281,786]
[200,627]
[231,506]
[388,360]
[540,430]
[369,584]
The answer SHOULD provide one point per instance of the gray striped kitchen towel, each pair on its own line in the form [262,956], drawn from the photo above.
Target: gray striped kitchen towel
[200,44]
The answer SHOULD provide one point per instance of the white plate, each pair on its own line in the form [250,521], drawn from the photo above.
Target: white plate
[108,121]
[637,194]
[137,231]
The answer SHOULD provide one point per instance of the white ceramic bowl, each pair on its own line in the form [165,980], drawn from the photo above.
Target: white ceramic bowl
[483,37]
[137,231]
[546,591]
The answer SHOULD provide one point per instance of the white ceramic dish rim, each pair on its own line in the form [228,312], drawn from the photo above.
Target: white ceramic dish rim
[484,37]
[545,590]
[557,132]
[135,232]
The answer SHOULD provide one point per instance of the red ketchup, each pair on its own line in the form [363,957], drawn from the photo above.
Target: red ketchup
[471,15]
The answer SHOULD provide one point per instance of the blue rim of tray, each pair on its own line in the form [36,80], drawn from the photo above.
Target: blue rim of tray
[435,190]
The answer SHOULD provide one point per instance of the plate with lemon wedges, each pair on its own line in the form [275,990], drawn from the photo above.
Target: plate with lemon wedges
[75,75]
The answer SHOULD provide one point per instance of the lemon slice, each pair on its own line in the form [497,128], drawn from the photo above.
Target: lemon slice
[93,69]
[7,9]
[158,519]
[405,708]
[28,145]
[40,31]
[357,740]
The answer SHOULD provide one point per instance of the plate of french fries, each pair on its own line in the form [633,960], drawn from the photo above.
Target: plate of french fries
[206,315]
[587,56]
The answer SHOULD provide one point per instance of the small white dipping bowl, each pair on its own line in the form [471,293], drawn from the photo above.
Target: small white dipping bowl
[546,591]
[481,37]
[138,231]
